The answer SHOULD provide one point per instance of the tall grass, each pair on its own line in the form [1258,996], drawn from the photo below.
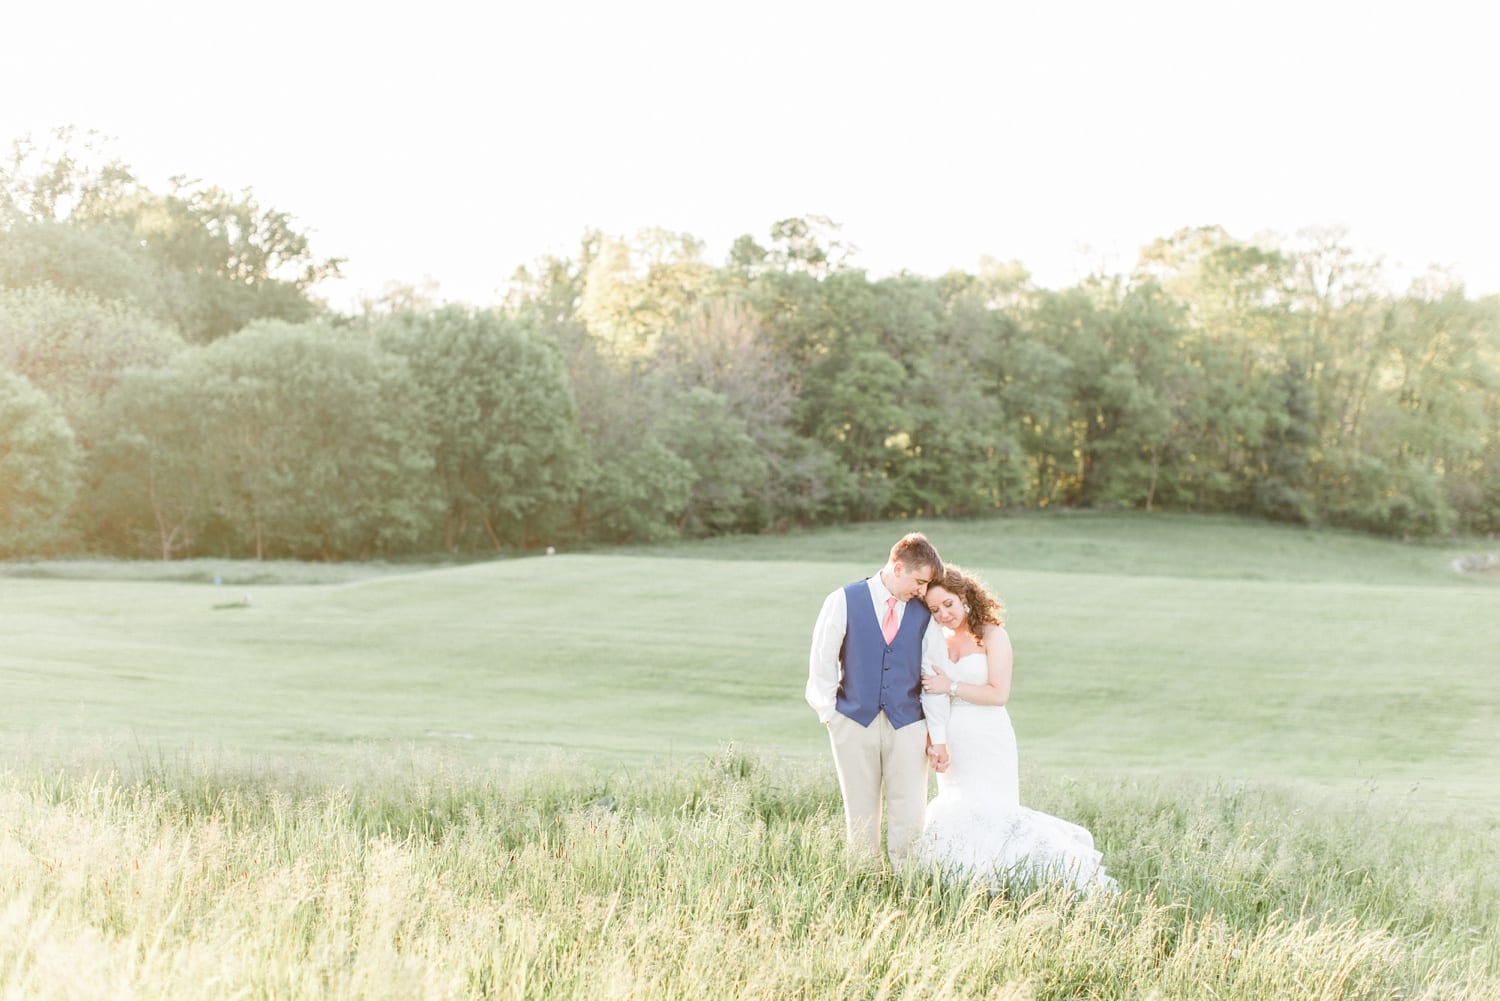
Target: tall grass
[724,878]
[372,821]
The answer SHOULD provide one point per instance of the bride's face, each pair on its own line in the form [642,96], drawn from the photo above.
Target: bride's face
[946,607]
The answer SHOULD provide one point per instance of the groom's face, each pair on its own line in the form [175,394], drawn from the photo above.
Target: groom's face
[911,582]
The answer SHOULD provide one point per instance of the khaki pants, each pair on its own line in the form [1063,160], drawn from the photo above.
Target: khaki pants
[880,763]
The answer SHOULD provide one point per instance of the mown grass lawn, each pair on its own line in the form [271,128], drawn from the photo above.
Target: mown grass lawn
[592,775]
[1145,645]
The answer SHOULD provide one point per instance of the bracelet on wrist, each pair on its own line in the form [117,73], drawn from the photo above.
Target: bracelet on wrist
[953,690]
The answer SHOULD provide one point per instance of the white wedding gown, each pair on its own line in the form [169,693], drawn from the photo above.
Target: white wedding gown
[976,826]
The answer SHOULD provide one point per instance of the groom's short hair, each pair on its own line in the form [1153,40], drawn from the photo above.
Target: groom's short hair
[914,550]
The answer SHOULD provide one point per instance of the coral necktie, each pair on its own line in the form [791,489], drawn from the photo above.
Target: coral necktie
[888,627]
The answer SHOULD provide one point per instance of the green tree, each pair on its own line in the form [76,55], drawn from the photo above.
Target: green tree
[1037,398]
[1132,394]
[726,348]
[66,175]
[279,441]
[154,466]
[1425,420]
[1238,301]
[329,457]
[810,244]
[961,455]
[75,346]
[634,487]
[1335,337]
[862,420]
[634,290]
[100,260]
[729,470]
[209,260]
[39,469]
[497,404]
[1284,490]
[806,484]
[236,261]
[635,493]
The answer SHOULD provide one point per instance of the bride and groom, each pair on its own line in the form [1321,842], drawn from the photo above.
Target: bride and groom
[913,665]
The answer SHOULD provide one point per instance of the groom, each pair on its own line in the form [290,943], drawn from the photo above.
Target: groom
[865,683]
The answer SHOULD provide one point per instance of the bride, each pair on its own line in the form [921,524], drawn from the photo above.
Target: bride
[976,826]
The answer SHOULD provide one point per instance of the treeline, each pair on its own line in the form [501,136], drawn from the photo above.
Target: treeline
[170,385]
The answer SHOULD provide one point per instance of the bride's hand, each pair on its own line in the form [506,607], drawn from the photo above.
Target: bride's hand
[935,683]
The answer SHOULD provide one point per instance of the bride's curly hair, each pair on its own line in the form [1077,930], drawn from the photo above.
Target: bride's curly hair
[981,601]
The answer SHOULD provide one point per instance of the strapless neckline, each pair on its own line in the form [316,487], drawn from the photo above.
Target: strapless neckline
[971,668]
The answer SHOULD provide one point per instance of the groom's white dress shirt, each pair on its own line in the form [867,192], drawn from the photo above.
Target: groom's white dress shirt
[824,672]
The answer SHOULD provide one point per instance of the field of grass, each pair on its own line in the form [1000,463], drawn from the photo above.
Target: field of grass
[593,775]
[724,879]
[1331,659]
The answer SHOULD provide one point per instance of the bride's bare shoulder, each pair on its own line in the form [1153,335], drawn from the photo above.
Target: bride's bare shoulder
[994,632]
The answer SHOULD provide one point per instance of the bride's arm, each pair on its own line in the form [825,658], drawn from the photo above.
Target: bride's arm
[996,689]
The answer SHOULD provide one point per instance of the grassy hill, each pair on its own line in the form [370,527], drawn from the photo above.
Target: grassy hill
[510,779]
[1144,645]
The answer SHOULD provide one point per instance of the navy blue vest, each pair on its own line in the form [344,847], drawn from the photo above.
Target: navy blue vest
[880,675]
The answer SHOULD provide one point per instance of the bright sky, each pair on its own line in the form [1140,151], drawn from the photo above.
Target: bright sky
[455,140]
